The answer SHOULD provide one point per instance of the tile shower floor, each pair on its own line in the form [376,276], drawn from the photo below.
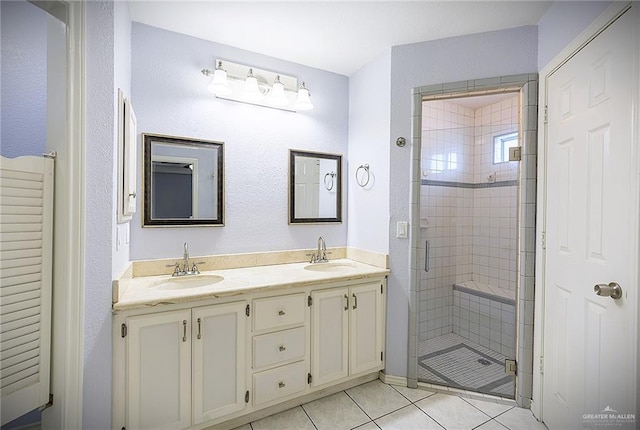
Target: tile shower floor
[376,405]
[454,361]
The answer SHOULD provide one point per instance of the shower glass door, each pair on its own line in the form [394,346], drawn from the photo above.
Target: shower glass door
[468,242]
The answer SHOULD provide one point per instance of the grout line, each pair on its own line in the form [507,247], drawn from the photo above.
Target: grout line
[388,413]
[305,412]
[392,412]
[479,425]
[360,407]
[408,399]
[494,421]
[433,419]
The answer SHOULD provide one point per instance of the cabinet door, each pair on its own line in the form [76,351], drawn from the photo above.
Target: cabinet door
[330,335]
[219,360]
[159,371]
[365,332]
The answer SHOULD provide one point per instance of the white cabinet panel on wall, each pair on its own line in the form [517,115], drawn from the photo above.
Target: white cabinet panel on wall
[158,382]
[329,335]
[219,360]
[366,328]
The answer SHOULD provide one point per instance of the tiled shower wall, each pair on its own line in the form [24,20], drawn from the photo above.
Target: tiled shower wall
[469,221]
[495,207]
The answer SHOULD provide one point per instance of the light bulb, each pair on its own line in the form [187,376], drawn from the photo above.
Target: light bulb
[251,90]
[304,101]
[219,84]
[278,97]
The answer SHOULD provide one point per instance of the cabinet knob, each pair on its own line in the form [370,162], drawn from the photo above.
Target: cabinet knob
[280,313]
[281,384]
[281,348]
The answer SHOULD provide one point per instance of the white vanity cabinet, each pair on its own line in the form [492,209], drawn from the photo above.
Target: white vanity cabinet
[185,367]
[216,362]
[347,332]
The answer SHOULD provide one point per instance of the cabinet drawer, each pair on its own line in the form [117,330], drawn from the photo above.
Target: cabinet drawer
[279,347]
[280,382]
[280,311]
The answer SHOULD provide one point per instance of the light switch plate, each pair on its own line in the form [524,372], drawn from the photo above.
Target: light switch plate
[402,230]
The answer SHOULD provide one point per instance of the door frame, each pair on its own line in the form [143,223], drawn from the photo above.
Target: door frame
[595,28]
[67,353]
[527,87]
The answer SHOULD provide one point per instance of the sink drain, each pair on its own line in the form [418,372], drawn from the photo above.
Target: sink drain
[484,362]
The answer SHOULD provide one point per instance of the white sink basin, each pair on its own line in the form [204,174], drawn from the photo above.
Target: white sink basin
[184,282]
[329,267]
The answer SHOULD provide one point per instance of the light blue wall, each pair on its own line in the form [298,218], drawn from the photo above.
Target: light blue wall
[104,71]
[562,23]
[483,55]
[170,97]
[369,140]
[23,81]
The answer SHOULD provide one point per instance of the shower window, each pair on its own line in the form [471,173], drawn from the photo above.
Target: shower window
[501,145]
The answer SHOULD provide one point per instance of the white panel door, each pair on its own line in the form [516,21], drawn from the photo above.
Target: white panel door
[365,332]
[219,360]
[159,371]
[329,335]
[590,340]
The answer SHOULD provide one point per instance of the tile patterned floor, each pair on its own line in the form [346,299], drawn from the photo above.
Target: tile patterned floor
[376,405]
[452,360]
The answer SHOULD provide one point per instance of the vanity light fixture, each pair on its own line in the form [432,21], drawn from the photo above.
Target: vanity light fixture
[251,85]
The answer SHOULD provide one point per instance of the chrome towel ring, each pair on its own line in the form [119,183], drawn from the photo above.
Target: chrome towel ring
[365,177]
[328,180]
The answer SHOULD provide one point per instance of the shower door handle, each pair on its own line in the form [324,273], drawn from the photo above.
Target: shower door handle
[426,256]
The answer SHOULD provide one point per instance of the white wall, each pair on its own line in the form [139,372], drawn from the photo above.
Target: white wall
[170,97]
[369,140]
[483,55]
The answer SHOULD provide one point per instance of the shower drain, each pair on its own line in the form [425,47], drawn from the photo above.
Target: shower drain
[484,362]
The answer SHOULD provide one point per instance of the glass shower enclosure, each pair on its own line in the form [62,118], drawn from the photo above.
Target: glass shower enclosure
[468,242]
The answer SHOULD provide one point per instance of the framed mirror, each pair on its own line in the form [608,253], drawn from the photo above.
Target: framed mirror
[315,187]
[183,181]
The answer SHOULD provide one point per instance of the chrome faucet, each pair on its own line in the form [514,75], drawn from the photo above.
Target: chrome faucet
[186,270]
[185,258]
[321,253]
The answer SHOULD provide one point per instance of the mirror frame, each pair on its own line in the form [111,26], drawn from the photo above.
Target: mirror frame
[292,218]
[147,221]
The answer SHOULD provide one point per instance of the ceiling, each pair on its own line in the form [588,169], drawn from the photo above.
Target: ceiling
[337,36]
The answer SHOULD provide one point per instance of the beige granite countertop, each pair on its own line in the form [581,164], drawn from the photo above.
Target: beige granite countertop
[146,291]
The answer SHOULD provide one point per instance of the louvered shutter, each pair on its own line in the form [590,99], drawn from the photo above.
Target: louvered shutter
[26,250]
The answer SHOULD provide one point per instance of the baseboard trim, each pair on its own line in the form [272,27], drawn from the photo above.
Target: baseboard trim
[393,380]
